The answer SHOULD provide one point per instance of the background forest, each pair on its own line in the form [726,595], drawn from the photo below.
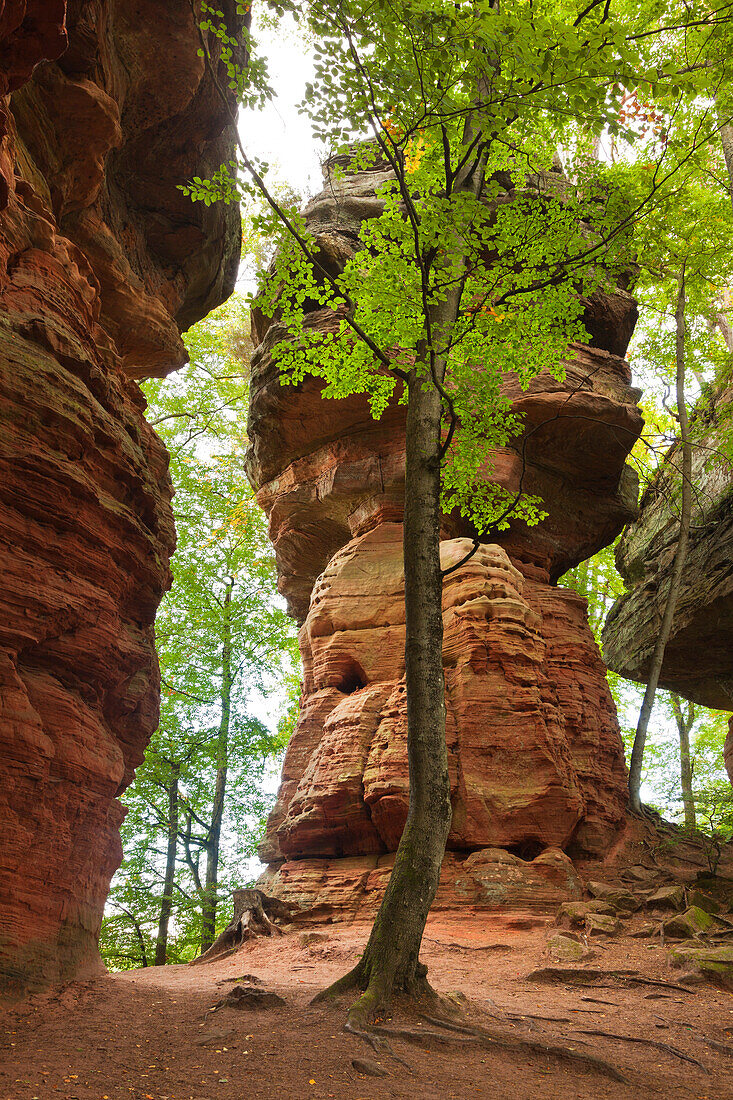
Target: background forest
[227,650]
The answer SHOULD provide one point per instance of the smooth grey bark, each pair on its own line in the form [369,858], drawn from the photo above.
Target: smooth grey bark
[685,722]
[208,923]
[166,904]
[655,668]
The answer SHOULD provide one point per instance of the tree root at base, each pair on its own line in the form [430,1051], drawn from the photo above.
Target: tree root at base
[450,1026]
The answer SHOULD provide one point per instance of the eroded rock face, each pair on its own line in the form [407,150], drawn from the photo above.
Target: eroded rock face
[492,878]
[535,753]
[698,660]
[102,261]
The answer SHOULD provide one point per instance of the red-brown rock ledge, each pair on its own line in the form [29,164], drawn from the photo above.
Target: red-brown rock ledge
[102,263]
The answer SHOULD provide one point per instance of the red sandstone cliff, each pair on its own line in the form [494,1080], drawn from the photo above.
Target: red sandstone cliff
[534,746]
[102,263]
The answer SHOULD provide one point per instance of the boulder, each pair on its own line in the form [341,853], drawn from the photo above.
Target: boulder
[622,901]
[603,925]
[715,963]
[704,901]
[688,925]
[566,949]
[573,914]
[667,897]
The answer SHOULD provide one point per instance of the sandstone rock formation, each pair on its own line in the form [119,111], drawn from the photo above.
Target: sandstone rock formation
[698,661]
[102,262]
[535,753]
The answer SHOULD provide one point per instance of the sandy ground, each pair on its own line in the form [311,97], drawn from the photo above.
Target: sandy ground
[151,1035]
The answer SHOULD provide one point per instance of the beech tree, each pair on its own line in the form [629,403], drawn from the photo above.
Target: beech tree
[473,270]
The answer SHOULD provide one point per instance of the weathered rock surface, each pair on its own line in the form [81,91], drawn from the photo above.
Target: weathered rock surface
[534,759]
[693,922]
[102,261]
[667,897]
[535,754]
[698,661]
[490,878]
[714,963]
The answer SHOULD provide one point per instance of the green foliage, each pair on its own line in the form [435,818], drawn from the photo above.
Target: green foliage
[437,86]
[223,593]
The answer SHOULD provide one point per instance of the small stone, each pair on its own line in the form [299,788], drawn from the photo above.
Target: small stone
[305,939]
[621,900]
[641,874]
[565,949]
[668,897]
[368,1067]
[244,997]
[713,963]
[600,923]
[693,922]
[646,931]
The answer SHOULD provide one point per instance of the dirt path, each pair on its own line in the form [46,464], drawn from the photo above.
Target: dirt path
[146,1034]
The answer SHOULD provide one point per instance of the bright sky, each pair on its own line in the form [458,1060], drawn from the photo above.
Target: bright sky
[279,134]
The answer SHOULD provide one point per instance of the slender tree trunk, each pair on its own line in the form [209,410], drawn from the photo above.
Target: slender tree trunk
[166,904]
[138,933]
[684,725]
[390,964]
[208,924]
[637,754]
[726,141]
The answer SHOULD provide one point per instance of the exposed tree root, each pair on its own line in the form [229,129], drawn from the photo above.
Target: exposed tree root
[492,1038]
[674,1051]
[376,1042]
[255,914]
[448,1027]
[557,975]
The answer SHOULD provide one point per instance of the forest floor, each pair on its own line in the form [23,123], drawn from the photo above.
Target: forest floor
[151,1034]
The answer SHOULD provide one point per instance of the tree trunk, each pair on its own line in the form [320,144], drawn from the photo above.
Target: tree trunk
[726,141]
[390,963]
[684,725]
[208,922]
[637,754]
[166,904]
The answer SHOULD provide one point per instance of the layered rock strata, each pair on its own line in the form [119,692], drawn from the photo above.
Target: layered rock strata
[698,660]
[536,760]
[102,262]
